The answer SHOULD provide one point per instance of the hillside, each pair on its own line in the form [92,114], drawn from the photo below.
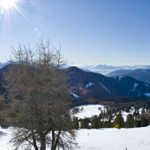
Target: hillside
[84,84]
[139,74]
[90,85]
[118,73]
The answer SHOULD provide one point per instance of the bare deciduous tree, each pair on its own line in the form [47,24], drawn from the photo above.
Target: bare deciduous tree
[43,116]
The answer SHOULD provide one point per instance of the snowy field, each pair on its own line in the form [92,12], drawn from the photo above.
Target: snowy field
[114,139]
[88,111]
[111,139]
[100,139]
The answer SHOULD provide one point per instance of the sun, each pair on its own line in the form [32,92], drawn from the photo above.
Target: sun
[7,4]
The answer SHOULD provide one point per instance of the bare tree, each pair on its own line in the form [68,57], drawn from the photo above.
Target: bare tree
[43,116]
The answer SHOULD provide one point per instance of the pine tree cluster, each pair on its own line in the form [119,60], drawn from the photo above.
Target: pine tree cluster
[111,119]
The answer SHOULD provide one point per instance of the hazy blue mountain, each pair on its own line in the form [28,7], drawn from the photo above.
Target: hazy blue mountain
[139,74]
[118,73]
[106,69]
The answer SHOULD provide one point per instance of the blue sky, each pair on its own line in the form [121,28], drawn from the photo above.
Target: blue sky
[115,32]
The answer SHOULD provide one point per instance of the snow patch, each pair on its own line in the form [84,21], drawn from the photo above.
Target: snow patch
[89,84]
[87,111]
[132,110]
[105,88]
[120,77]
[135,86]
[75,95]
[125,114]
[147,94]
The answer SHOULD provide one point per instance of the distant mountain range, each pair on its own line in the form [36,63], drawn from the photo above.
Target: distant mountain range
[4,64]
[139,74]
[90,85]
[85,84]
[106,69]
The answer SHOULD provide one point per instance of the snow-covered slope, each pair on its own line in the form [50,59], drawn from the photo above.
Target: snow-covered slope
[5,136]
[87,111]
[101,139]
[2,65]
[114,139]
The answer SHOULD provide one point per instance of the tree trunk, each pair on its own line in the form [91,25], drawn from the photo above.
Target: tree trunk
[43,143]
[34,141]
[55,140]
[35,147]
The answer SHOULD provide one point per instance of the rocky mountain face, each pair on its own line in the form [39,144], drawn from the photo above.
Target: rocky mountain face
[85,84]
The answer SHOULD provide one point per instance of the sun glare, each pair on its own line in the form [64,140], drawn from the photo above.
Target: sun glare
[7,4]
[10,9]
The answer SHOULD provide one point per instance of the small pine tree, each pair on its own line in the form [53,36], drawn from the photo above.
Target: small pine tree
[119,121]
[85,123]
[107,124]
[95,122]
[144,121]
[76,123]
[129,122]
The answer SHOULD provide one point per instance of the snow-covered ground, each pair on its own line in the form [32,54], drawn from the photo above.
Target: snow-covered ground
[87,111]
[114,139]
[5,136]
[100,139]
